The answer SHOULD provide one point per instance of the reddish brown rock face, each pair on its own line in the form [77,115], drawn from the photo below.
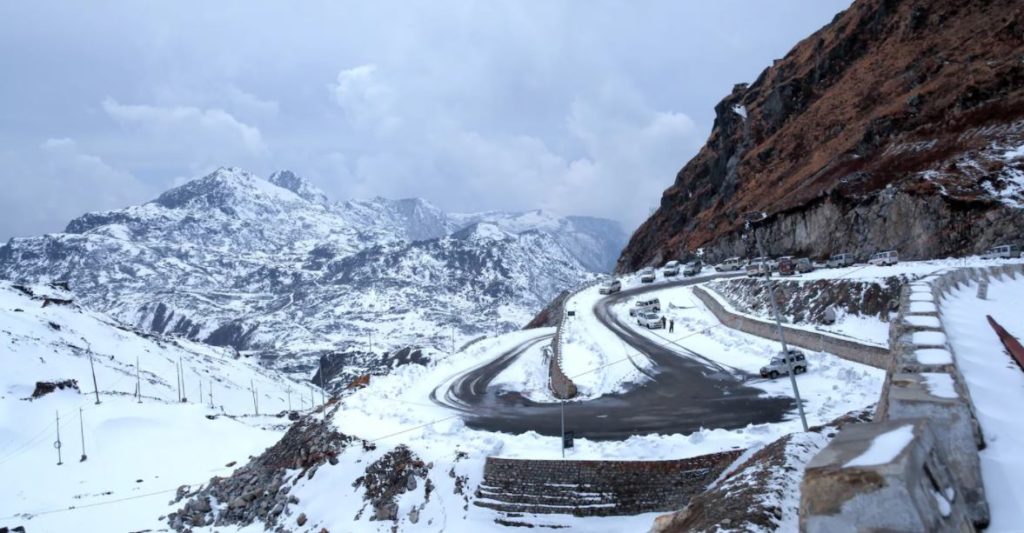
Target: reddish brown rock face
[892,127]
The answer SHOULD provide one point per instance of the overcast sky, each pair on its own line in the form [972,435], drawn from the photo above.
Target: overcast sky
[580,107]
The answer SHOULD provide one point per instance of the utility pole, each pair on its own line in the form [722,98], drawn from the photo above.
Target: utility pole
[81,426]
[177,376]
[255,403]
[751,219]
[323,397]
[211,392]
[453,342]
[200,392]
[289,391]
[138,380]
[94,385]
[56,444]
[181,372]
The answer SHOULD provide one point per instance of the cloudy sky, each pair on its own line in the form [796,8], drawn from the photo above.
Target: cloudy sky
[579,107]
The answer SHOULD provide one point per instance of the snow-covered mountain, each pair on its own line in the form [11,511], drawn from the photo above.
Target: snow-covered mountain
[272,267]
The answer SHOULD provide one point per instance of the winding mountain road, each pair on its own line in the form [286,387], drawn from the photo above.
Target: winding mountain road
[685,392]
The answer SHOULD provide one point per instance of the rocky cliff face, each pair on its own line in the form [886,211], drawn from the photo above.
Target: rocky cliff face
[899,125]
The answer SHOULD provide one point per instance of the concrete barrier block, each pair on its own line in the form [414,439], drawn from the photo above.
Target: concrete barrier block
[882,476]
[938,398]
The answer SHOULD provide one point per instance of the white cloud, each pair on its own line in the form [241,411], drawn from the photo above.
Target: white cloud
[45,187]
[181,119]
[368,102]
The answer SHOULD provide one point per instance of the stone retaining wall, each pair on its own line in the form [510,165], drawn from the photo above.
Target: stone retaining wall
[597,488]
[875,356]
[935,482]
[561,385]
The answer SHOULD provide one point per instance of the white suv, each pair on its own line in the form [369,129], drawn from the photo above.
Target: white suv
[647,275]
[1006,251]
[610,286]
[645,306]
[671,269]
[840,260]
[888,258]
[733,263]
[649,320]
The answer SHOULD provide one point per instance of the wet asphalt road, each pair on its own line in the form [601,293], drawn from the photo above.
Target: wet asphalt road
[683,394]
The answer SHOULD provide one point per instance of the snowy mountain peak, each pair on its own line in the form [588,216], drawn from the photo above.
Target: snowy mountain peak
[223,188]
[287,179]
[481,232]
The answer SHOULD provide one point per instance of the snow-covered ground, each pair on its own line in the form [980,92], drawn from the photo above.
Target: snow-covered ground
[592,355]
[597,360]
[697,330]
[137,453]
[868,329]
[912,269]
[395,410]
[863,329]
[996,385]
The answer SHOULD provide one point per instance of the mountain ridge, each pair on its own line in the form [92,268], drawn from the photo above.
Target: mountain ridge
[234,260]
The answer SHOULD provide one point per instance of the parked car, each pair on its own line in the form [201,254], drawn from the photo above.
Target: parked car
[649,320]
[757,268]
[729,265]
[671,269]
[887,258]
[1005,251]
[786,266]
[647,275]
[803,265]
[779,366]
[645,306]
[693,268]
[770,263]
[610,286]
[840,260]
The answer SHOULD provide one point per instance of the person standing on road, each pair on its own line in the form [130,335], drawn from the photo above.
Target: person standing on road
[671,326]
[663,323]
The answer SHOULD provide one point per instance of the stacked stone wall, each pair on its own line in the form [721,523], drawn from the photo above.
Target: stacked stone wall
[597,488]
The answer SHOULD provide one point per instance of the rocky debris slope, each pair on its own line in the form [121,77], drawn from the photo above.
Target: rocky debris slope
[272,268]
[394,474]
[899,125]
[806,302]
[259,491]
[762,492]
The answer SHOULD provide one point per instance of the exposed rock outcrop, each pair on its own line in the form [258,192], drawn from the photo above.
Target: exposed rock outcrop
[899,125]
[259,491]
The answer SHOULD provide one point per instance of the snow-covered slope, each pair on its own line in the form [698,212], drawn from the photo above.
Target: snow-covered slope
[141,448]
[273,268]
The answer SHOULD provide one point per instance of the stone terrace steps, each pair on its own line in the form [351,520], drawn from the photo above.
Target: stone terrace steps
[596,488]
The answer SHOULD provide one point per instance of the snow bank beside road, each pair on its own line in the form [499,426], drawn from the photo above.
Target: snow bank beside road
[996,385]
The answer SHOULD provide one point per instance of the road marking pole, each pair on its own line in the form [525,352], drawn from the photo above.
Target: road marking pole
[562,404]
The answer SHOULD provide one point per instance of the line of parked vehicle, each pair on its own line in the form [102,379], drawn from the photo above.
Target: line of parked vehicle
[789,265]
[650,275]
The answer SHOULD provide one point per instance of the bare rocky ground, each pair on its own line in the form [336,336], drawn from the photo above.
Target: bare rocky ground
[760,492]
